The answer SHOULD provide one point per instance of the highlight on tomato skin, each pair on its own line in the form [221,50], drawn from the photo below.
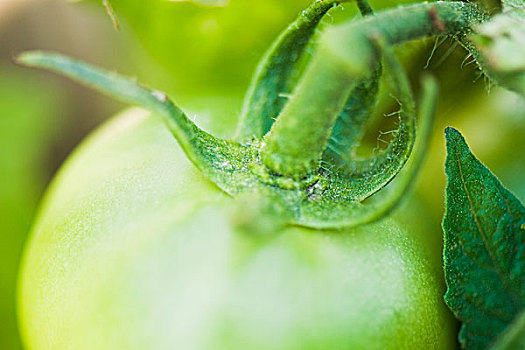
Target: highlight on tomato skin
[143,241]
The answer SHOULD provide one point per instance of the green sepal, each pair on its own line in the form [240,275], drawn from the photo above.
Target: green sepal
[211,155]
[484,252]
[235,168]
[264,99]
[349,126]
[309,196]
[346,54]
[367,176]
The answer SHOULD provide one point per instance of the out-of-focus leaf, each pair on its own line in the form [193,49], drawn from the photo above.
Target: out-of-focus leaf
[203,48]
[210,50]
[501,44]
[27,123]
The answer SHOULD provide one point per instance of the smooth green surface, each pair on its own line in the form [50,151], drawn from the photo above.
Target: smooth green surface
[204,49]
[134,249]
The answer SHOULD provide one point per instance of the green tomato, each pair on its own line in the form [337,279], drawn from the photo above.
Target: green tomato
[135,249]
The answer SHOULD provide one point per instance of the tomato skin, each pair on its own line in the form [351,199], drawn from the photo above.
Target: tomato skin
[135,249]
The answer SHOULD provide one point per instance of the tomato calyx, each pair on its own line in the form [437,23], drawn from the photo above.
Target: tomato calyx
[297,151]
[322,200]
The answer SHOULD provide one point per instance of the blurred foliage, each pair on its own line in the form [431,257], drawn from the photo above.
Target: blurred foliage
[213,49]
[41,119]
[206,49]
[28,110]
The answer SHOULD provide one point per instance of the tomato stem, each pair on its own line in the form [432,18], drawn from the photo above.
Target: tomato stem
[308,118]
[297,140]
[273,76]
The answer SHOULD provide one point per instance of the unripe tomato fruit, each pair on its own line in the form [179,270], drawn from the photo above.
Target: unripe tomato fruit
[135,249]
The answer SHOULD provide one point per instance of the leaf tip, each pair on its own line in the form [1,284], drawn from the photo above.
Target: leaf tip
[454,139]
[21,59]
[451,133]
[28,58]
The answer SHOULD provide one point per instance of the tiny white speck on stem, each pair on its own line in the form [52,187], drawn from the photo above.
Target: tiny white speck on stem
[159,95]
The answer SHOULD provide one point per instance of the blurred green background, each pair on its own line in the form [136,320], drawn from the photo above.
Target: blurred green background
[203,54]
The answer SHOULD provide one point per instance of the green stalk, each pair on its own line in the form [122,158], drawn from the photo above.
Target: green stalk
[297,140]
[263,100]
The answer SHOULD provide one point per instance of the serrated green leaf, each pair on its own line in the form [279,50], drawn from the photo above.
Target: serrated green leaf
[484,253]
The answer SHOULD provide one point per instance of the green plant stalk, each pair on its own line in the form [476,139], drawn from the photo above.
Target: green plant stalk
[378,170]
[263,101]
[385,201]
[316,104]
[295,144]
[273,80]
[350,125]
